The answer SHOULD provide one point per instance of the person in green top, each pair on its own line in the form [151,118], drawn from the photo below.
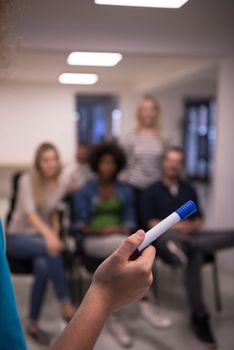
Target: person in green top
[104,207]
[104,213]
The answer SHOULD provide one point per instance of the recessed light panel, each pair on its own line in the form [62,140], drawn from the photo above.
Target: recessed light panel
[144,3]
[78,78]
[105,59]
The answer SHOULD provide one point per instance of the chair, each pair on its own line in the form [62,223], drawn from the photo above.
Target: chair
[16,266]
[14,193]
[82,267]
[211,259]
[19,267]
[208,259]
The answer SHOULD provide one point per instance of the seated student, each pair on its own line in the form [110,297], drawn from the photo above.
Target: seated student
[79,172]
[104,213]
[185,238]
[33,233]
[103,208]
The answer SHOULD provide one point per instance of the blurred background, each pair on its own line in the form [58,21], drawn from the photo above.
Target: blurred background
[183,57]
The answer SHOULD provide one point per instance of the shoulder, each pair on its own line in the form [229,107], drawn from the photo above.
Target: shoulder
[123,185]
[69,168]
[24,179]
[124,188]
[131,137]
[188,185]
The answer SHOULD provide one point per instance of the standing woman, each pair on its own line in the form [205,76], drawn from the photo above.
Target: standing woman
[144,147]
[33,233]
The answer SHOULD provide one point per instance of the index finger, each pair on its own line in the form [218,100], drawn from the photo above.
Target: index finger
[148,256]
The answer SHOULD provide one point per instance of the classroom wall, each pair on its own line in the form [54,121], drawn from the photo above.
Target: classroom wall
[223,181]
[33,113]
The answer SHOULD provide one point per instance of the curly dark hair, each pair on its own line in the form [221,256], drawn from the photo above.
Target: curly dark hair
[107,148]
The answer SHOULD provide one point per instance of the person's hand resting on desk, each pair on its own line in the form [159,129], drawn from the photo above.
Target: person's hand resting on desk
[117,282]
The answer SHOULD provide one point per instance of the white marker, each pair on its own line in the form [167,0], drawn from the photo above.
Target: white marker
[182,213]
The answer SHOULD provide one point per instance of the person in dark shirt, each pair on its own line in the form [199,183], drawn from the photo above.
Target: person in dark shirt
[185,243]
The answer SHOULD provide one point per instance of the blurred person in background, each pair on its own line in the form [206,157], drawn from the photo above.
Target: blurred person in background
[33,233]
[79,172]
[186,239]
[104,213]
[144,147]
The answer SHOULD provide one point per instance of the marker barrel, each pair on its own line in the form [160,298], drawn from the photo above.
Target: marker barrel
[181,213]
[159,229]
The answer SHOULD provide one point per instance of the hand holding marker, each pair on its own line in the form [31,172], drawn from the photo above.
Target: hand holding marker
[182,213]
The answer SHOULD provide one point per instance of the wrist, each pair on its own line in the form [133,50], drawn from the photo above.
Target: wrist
[101,299]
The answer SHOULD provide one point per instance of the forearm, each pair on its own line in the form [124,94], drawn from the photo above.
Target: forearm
[197,224]
[55,222]
[86,325]
[188,226]
[41,227]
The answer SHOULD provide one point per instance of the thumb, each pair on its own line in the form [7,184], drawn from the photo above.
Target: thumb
[130,244]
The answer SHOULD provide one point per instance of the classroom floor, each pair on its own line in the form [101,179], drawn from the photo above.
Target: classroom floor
[172,302]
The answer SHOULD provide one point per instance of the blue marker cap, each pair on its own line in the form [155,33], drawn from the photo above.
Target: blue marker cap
[186,210]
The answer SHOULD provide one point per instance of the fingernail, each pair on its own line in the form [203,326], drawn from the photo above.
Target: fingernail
[140,234]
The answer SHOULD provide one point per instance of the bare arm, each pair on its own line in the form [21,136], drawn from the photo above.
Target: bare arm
[189,226]
[55,222]
[86,325]
[41,227]
[117,282]
[53,243]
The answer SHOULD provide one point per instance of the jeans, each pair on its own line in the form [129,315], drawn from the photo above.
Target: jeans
[195,246]
[33,247]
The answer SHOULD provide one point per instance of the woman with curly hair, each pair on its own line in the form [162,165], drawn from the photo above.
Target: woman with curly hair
[104,212]
[103,208]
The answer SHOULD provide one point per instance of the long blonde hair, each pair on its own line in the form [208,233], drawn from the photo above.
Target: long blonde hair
[37,177]
[157,125]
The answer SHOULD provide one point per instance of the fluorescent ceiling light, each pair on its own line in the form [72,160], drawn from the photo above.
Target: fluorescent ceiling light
[105,59]
[78,78]
[144,3]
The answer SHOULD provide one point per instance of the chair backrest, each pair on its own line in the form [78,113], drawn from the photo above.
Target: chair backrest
[14,194]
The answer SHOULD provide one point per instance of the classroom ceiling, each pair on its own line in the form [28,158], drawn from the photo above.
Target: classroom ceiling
[200,27]
[159,46]
[136,73]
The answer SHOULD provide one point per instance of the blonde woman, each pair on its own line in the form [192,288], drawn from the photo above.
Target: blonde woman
[33,233]
[144,147]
